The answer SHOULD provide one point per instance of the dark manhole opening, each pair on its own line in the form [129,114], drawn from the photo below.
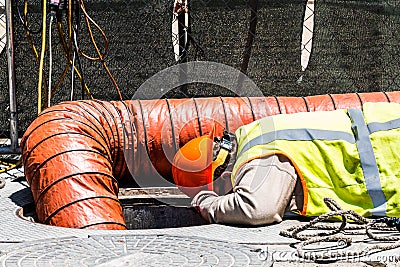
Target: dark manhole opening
[153,208]
[150,208]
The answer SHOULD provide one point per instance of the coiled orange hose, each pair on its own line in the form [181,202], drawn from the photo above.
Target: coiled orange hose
[74,159]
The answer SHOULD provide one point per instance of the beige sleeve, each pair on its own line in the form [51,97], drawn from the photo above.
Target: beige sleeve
[262,190]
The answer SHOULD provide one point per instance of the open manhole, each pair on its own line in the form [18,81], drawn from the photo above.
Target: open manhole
[158,208]
[149,208]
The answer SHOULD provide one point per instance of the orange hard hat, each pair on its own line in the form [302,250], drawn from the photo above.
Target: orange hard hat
[192,166]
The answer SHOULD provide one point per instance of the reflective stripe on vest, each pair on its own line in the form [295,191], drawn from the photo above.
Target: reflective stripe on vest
[368,162]
[298,135]
[383,126]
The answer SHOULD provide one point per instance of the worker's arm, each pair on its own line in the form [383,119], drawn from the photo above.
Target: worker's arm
[261,193]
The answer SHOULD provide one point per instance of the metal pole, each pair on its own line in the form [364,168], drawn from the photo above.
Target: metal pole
[11,79]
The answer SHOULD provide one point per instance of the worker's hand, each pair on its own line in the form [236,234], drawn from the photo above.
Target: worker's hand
[203,200]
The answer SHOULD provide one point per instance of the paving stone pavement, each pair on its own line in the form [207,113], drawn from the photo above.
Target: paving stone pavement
[25,243]
[136,250]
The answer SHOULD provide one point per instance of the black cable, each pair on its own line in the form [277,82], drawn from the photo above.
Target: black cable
[78,58]
[198,116]
[279,104]
[252,108]
[76,46]
[172,125]
[116,141]
[197,46]
[253,5]
[144,128]
[305,102]
[133,133]
[123,134]
[359,97]
[387,96]
[225,114]
[333,101]
[99,112]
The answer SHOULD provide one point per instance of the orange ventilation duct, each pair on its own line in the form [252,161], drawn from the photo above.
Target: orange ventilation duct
[74,159]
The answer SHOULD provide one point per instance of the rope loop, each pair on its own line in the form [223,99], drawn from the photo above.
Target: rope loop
[373,228]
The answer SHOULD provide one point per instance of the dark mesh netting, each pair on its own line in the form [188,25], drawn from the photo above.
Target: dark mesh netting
[355,48]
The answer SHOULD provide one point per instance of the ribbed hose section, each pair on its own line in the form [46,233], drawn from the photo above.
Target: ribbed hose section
[76,153]
[163,126]
[72,154]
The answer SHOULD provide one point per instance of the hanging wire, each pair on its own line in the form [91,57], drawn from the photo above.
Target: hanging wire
[251,34]
[75,45]
[42,52]
[72,74]
[50,62]
[75,54]
[67,48]
[28,33]
[24,20]
[69,63]
[69,22]
[70,48]
[100,56]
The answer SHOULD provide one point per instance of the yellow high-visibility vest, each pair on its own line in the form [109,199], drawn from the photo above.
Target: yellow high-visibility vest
[351,156]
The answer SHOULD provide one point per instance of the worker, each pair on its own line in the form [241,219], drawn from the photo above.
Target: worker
[291,162]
